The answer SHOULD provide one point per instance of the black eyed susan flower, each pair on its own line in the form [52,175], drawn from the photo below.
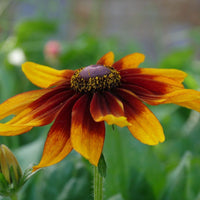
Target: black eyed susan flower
[79,102]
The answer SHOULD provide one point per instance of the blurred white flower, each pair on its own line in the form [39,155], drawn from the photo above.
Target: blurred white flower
[16,57]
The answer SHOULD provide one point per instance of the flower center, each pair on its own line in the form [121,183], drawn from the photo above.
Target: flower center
[95,78]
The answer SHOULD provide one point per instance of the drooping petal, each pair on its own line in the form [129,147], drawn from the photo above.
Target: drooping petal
[186,97]
[58,144]
[43,110]
[87,136]
[145,126]
[157,85]
[107,59]
[129,61]
[19,102]
[176,75]
[11,130]
[146,95]
[106,107]
[44,76]
[151,85]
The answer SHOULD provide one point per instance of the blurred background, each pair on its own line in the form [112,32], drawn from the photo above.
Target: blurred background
[76,33]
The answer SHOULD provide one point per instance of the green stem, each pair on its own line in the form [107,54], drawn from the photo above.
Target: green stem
[98,185]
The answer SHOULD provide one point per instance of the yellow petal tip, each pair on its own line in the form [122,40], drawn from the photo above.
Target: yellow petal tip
[119,121]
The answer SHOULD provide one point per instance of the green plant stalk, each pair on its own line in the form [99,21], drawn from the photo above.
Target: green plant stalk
[98,185]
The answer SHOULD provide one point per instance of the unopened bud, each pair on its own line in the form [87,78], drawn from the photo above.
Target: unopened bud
[10,171]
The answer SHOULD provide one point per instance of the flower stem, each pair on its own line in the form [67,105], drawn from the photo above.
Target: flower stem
[98,185]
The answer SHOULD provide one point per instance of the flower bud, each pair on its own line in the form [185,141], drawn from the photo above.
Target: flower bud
[10,171]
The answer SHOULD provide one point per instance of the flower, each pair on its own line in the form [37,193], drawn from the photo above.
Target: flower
[52,49]
[16,57]
[80,101]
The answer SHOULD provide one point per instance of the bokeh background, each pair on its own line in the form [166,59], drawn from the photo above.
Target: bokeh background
[76,33]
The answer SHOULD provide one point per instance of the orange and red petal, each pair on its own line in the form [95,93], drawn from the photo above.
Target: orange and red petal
[43,110]
[129,61]
[144,125]
[174,74]
[144,94]
[157,85]
[58,143]
[186,97]
[44,76]
[11,130]
[106,107]
[151,85]
[87,136]
[107,59]
[19,102]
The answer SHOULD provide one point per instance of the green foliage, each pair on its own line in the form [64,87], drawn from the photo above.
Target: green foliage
[178,182]
[84,51]
[179,58]
[69,180]
[31,36]
[34,30]
[102,166]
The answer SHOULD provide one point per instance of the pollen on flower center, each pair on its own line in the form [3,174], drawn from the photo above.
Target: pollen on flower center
[95,78]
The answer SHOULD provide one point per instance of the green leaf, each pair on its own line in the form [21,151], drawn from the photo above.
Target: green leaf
[102,166]
[67,180]
[30,30]
[3,184]
[178,59]
[139,186]
[191,82]
[116,197]
[177,181]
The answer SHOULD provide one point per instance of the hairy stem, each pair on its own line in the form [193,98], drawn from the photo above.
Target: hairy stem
[98,185]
